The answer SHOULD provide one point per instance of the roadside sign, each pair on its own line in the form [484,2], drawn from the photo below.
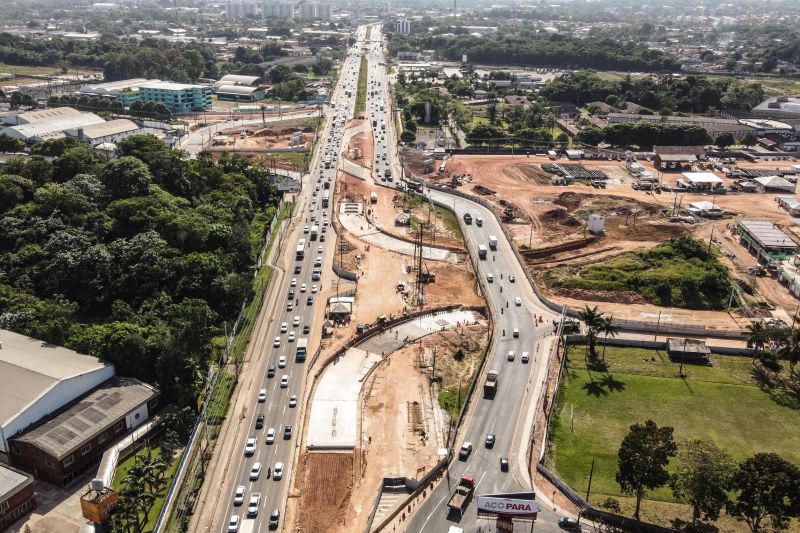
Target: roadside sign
[518,505]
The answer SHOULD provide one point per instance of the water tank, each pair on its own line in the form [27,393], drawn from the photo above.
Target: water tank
[597,223]
[98,485]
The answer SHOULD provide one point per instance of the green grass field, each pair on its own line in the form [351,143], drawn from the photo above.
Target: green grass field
[719,403]
[158,503]
[361,93]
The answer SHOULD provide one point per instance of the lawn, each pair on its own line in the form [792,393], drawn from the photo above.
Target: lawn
[158,503]
[361,93]
[720,403]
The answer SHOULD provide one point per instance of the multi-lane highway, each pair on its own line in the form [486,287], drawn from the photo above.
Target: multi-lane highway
[263,456]
[522,339]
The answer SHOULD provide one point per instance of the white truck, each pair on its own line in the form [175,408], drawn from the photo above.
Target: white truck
[492,242]
[482,251]
[373,198]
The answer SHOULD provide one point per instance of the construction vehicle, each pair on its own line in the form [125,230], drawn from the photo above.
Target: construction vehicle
[462,495]
[490,385]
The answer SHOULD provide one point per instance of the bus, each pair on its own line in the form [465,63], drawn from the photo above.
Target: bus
[302,350]
[301,249]
[327,161]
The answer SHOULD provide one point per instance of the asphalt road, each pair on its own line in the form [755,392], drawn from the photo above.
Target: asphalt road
[276,409]
[507,415]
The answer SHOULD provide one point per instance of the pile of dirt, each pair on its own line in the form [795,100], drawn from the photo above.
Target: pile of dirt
[570,200]
[558,215]
[485,191]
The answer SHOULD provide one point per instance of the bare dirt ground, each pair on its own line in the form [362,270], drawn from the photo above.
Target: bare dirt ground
[327,482]
[360,149]
[551,219]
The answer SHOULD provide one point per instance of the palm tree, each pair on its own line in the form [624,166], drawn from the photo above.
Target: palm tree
[790,347]
[593,319]
[758,335]
[608,327]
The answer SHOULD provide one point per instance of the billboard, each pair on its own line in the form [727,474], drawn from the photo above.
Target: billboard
[519,505]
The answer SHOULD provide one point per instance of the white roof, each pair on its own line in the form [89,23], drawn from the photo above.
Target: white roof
[236,89]
[112,127]
[114,87]
[791,201]
[47,114]
[11,480]
[774,181]
[168,85]
[705,206]
[45,128]
[702,177]
[236,79]
[31,367]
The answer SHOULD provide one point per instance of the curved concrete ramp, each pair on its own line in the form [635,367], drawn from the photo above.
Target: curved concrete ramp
[333,422]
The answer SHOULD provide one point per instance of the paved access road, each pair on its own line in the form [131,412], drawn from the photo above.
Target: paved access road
[297,312]
[510,413]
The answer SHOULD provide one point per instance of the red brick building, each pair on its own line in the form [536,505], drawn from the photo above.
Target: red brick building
[17,497]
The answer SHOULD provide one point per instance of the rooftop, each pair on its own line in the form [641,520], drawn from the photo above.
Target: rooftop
[768,234]
[169,86]
[11,480]
[112,127]
[687,346]
[236,89]
[43,128]
[30,367]
[779,104]
[702,177]
[89,416]
[47,114]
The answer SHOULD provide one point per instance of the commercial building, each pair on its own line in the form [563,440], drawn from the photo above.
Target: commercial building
[40,115]
[403,26]
[112,131]
[766,240]
[278,9]
[779,107]
[39,379]
[123,91]
[63,447]
[17,496]
[53,128]
[178,97]
[238,9]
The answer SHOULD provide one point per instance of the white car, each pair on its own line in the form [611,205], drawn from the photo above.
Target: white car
[282,361]
[319,248]
[270,436]
[303,287]
[255,471]
[291,336]
[518,301]
[250,446]
[296,321]
[293,400]
[277,472]
[252,506]
[284,327]
[524,357]
[262,396]
[313,289]
[233,525]
[511,355]
[293,282]
[277,342]
[238,495]
[305,229]
[490,278]
[284,381]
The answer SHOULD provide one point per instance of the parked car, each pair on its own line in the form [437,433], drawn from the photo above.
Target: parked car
[566,522]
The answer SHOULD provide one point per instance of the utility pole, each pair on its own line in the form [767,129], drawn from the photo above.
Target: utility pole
[589,488]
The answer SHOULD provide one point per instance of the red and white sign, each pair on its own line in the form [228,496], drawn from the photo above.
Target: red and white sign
[494,505]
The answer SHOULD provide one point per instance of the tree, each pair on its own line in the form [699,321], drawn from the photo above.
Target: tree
[724,140]
[10,144]
[757,337]
[608,327]
[593,320]
[703,478]
[765,486]
[790,347]
[749,140]
[642,459]
[125,177]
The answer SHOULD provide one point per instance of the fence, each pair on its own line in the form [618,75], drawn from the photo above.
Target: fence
[180,496]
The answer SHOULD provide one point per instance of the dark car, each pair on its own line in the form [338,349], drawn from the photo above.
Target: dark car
[298,268]
[490,440]
[310,300]
[571,524]
[504,464]
[306,328]
[287,432]
[271,371]
[274,518]
[260,421]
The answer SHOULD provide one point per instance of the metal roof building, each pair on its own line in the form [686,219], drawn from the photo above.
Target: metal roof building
[52,128]
[237,79]
[766,240]
[39,379]
[112,131]
[240,92]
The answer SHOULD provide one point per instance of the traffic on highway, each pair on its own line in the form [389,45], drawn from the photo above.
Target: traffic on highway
[263,469]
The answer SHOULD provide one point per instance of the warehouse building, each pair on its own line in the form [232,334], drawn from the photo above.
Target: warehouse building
[54,128]
[40,115]
[65,446]
[112,131]
[779,107]
[237,79]
[240,93]
[766,241]
[17,496]
[674,157]
[39,379]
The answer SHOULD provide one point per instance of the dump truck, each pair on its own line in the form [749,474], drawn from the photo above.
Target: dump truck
[490,385]
[482,251]
[492,242]
[462,495]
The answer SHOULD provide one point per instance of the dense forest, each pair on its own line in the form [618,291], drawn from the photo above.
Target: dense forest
[532,49]
[138,260]
[689,94]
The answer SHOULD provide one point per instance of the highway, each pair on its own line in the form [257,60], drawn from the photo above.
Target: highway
[304,308]
[509,414]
